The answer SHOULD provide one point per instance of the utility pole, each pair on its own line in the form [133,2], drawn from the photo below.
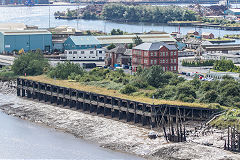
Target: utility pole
[49,21]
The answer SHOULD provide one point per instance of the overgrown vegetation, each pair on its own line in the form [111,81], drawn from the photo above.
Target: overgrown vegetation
[65,70]
[198,63]
[132,13]
[31,63]
[154,82]
[225,65]
[7,74]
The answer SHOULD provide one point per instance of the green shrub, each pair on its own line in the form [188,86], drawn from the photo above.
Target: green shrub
[63,70]
[128,89]
[31,63]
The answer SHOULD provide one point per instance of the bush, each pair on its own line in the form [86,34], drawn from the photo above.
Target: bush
[7,75]
[31,63]
[63,70]
[128,89]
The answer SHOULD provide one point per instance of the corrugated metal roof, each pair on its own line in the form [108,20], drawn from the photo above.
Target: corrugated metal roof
[84,40]
[154,46]
[117,39]
[24,32]
[13,26]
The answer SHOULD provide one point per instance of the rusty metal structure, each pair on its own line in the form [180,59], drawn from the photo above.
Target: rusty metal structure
[233,140]
[123,109]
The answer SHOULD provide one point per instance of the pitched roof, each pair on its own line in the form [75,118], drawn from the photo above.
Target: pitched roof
[206,33]
[24,32]
[154,46]
[117,39]
[84,40]
[119,49]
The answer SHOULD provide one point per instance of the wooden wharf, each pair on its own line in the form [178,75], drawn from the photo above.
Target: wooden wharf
[131,111]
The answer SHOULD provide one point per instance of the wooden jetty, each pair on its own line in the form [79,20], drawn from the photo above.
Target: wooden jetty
[233,140]
[123,109]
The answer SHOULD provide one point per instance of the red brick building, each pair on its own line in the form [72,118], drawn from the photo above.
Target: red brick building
[206,35]
[157,53]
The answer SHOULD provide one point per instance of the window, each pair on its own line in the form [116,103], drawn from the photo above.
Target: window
[93,57]
[155,61]
[171,53]
[166,60]
[171,68]
[175,60]
[163,60]
[100,58]
[166,53]
[163,53]
[85,57]
[82,52]
[164,69]
[155,53]
[91,52]
[100,52]
[145,60]
[175,53]
[175,68]
[151,53]
[145,53]
[73,57]
[171,60]
[74,52]
[151,61]
[160,53]
[160,60]
[80,57]
[70,52]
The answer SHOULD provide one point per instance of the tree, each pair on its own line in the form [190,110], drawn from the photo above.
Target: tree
[31,63]
[116,32]
[111,46]
[64,70]
[210,96]
[137,40]
[186,92]
[154,76]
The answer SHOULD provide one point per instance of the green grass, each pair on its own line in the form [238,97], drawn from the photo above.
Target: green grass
[230,118]
[220,39]
[110,90]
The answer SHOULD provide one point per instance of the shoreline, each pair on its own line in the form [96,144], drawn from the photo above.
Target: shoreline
[108,133]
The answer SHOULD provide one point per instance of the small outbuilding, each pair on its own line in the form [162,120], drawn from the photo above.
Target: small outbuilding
[207,35]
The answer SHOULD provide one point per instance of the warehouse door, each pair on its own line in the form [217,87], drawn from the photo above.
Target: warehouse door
[47,48]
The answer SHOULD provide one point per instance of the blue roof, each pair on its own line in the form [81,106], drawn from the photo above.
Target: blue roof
[84,40]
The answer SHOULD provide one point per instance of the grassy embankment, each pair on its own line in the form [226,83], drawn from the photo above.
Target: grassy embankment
[114,93]
[6,74]
[230,117]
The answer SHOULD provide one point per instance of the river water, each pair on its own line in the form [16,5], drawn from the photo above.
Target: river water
[25,140]
[39,15]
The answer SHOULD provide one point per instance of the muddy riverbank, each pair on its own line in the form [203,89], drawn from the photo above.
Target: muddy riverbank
[114,134]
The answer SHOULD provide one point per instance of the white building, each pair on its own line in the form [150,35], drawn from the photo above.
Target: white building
[84,55]
[220,56]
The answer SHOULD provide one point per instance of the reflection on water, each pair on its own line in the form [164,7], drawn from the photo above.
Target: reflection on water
[25,140]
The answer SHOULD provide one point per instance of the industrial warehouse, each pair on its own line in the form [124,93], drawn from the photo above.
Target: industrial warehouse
[28,40]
